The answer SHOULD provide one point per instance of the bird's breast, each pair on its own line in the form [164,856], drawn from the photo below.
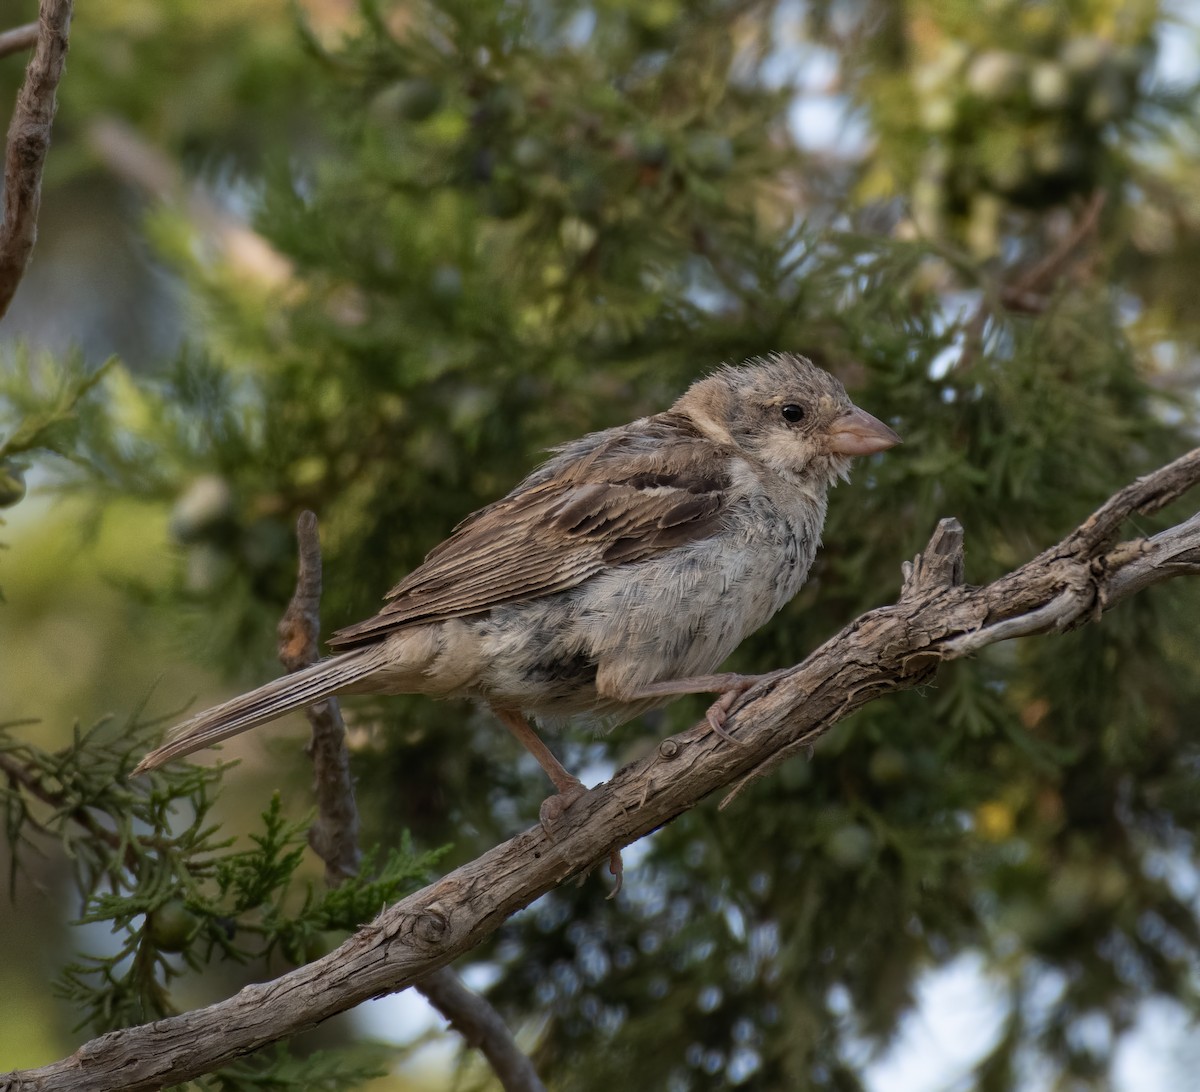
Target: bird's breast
[674,615]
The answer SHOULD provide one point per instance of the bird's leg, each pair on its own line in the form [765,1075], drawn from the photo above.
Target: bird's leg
[569,787]
[728,684]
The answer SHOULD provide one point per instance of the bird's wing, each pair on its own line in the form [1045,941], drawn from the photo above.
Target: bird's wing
[620,500]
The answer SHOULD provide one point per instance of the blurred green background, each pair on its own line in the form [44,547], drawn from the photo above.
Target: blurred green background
[373,259]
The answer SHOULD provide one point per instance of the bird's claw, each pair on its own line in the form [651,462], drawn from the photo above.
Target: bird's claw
[617,867]
[718,713]
[553,806]
[551,812]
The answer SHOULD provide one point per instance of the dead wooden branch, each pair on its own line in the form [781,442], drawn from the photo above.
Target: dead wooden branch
[334,833]
[150,170]
[474,1018]
[886,650]
[28,141]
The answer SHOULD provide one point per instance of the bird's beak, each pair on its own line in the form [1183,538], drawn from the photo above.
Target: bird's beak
[856,432]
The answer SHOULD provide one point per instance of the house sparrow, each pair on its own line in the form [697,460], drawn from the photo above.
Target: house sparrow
[618,575]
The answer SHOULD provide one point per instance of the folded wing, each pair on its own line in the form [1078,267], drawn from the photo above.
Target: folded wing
[624,497]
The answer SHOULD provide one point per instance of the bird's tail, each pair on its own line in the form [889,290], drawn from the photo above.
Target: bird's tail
[301,688]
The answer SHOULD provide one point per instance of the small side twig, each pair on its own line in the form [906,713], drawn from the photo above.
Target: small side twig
[483,1028]
[1145,496]
[28,141]
[141,164]
[18,39]
[334,833]
[940,565]
[1024,293]
[21,777]
[1028,293]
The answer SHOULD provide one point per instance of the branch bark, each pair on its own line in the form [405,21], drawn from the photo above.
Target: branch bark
[28,141]
[334,833]
[892,648]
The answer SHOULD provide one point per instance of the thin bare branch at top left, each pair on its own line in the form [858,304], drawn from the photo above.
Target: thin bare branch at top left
[28,142]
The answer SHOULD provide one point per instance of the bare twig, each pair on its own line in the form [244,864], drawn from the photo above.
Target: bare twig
[334,833]
[1144,497]
[28,140]
[22,777]
[1023,293]
[135,160]
[886,650]
[939,565]
[474,1018]
[18,39]
[1163,557]
[1028,293]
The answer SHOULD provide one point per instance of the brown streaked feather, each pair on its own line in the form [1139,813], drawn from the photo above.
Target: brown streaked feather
[614,498]
[677,525]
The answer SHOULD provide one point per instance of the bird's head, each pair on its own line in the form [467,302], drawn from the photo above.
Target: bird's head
[787,413]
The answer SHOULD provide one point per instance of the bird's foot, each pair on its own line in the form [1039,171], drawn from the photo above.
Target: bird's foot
[569,787]
[718,714]
[729,685]
[551,812]
[553,806]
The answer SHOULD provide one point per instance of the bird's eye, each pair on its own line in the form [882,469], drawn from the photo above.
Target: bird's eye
[792,412]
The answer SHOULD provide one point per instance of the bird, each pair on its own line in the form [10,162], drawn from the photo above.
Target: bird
[617,576]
